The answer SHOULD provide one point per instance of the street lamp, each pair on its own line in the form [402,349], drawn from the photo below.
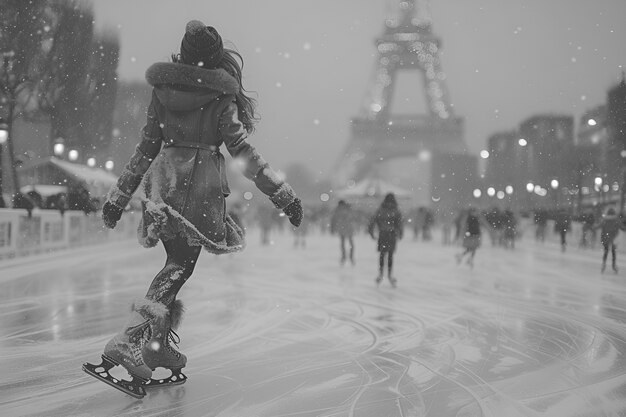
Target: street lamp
[555,185]
[59,147]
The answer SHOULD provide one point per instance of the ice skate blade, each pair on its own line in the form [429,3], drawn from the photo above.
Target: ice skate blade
[133,388]
[177,378]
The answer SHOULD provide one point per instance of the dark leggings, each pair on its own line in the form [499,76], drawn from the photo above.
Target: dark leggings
[381,261]
[606,252]
[181,260]
[343,239]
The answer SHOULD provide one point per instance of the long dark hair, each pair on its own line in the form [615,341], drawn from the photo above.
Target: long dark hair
[390,202]
[232,63]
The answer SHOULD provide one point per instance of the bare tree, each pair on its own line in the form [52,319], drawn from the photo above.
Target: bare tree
[64,68]
[22,28]
[100,92]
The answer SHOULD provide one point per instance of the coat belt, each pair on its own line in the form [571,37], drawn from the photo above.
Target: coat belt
[195,145]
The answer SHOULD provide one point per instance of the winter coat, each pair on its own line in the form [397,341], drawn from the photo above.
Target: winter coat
[609,226]
[562,222]
[388,221]
[342,221]
[191,114]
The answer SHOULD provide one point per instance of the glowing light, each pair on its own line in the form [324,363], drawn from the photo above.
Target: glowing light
[477,193]
[592,122]
[484,154]
[554,184]
[530,187]
[91,162]
[155,345]
[58,148]
[324,197]
[491,191]
[109,165]
[72,155]
[424,155]
[522,142]
[597,181]
[247,196]
[375,107]
[508,189]
[500,195]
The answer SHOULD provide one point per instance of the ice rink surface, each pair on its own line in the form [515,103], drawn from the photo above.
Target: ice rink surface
[279,331]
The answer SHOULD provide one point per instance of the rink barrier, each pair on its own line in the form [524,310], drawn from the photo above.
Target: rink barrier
[48,230]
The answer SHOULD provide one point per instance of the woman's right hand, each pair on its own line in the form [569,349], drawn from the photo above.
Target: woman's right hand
[111,214]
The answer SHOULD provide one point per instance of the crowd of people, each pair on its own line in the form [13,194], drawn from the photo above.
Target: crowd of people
[468,227]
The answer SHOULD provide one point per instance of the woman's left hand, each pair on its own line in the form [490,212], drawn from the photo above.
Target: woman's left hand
[294,212]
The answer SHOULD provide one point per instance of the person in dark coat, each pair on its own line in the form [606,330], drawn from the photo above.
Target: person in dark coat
[562,225]
[342,224]
[540,218]
[198,104]
[388,221]
[609,226]
[473,223]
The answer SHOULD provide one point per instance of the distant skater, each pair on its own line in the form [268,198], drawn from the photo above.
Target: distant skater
[198,104]
[388,221]
[342,224]
[609,226]
[562,225]
[471,236]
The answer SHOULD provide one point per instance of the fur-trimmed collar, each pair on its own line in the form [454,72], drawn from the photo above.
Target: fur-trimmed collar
[189,75]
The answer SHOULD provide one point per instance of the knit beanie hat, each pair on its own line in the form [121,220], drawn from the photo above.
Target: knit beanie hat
[201,44]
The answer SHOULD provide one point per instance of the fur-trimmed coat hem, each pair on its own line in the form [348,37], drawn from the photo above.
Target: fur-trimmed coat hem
[162,222]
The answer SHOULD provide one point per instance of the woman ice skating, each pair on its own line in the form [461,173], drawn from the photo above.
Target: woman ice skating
[471,236]
[609,226]
[198,103]
[388,221]
[342,224]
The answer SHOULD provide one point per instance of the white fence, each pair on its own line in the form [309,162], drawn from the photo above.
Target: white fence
[48,230]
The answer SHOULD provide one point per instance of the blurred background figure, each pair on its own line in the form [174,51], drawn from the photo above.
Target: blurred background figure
[609,226]
[472,223]
[540,218]
[509,225]
[300,233]
[562,225]
[265,219]
[388,221]
[342,224]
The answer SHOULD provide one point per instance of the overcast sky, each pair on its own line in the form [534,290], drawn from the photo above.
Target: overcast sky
[310,62]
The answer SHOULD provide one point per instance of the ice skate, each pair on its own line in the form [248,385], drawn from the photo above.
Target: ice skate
[159,353]
[393,282]
[126,349]
[379,279]
[615,268]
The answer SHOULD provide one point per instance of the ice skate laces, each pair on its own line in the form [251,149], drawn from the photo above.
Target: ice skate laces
[138,332]
[173,337]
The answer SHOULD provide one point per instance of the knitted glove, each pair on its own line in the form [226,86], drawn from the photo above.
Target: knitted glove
[294,212]
[111,214]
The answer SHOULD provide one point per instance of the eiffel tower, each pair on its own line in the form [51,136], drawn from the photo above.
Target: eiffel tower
[378,136]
